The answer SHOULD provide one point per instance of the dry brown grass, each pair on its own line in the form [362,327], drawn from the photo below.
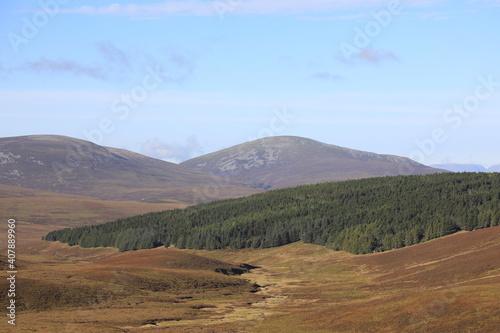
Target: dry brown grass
[445,285]
[101,290]
[61,210]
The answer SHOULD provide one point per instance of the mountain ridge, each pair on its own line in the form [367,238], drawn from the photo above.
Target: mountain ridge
[466,167]
[68,165]
[284,161]
[72,166]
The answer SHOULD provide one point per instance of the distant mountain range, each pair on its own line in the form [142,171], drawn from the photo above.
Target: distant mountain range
[72,166]
[455,167]
[285,161]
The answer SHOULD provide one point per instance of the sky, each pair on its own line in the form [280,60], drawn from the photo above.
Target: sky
[178,79]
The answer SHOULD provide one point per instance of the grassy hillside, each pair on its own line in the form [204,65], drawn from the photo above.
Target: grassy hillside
[61,289]
[451,284]
[48,208]
[359,216]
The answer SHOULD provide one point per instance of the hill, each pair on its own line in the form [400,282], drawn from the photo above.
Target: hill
[455,167]
[494,168]
[444,285]
[285,161]
[71,166]
[358,216]
[49,208]
[134,288]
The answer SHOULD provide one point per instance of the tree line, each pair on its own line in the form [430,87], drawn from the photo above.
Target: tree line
[357,216]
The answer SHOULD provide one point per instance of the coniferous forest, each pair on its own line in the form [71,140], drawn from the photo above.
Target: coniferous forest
[358,216]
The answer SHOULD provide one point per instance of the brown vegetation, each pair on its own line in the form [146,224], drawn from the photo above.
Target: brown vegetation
[450,284]
[446,285]
[42,207]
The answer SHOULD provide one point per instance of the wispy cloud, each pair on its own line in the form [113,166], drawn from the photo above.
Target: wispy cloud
[326,76]
[255,7]
[421,15]
[374,56]
[172,152]
[114,64]
[61,66]
[489,3]
[181,64]
[369,55]
[167,8]
[113,54]
[335,18]
[433,16]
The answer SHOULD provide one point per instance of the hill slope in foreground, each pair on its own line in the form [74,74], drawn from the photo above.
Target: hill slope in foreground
[451,284]
[285,161]
[71,166]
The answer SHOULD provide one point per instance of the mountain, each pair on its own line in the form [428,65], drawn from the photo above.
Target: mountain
[455,167]
[494,168]
[285,161]
[72,166]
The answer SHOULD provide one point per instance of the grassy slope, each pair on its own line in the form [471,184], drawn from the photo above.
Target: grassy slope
[56,282]
[38,212]
[450,284]
[61,288]
[445,285]
[43,207]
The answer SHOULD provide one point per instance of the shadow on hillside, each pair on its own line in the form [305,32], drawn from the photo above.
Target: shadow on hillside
[243,268]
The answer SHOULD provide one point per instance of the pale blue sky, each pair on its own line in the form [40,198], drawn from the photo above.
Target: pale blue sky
[223,72]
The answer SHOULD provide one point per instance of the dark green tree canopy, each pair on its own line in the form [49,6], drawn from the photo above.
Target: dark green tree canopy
[358,216]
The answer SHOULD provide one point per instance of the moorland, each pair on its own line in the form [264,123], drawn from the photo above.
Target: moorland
[394,253]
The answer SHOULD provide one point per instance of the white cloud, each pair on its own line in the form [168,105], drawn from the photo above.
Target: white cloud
[235,7]
[172,152]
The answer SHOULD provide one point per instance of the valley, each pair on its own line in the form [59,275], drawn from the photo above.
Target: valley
[441,285]
[250,166]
